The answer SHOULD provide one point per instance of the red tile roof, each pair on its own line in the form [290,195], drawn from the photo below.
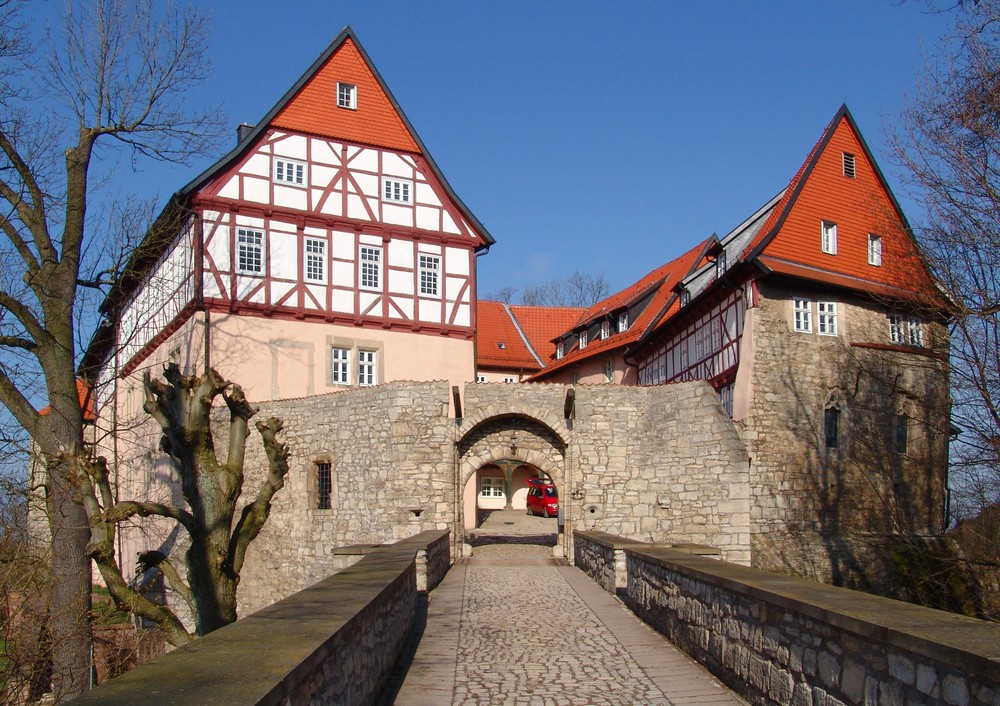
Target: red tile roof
[542,324]
[660,282]
[86,402]
[498,342]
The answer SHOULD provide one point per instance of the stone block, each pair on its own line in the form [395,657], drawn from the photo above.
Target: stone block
[902,668]
[829,669]
[955,690]
[927,680]
[852,680]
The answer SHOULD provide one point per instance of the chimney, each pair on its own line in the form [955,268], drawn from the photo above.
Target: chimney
[242,130]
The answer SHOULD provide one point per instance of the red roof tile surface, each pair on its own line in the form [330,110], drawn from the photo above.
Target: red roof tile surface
[86,402]
[542,324]
[498,343]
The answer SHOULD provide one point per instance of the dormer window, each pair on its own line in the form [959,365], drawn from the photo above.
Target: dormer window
[623,322]
[560,350]
[583,339]
[828,237]
[347,96]
[685,297]
[849,166]
[606,329]
[720,264]
[874,250]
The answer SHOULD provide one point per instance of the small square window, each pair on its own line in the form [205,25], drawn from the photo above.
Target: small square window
[508,378]
[397,191]
[874,250]
[347,95]
[803,315]
[849,165]
[480,378]
[829,238]
[288,172]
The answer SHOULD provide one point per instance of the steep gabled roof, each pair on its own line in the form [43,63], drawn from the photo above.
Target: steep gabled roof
[542,324]
[859,206]
[308,107]
[658,285]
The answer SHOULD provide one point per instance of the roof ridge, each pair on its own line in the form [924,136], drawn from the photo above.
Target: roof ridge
[520,332]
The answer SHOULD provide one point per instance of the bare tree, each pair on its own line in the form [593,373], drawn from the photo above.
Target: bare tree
[949,141]
[113,73]
[578,289]
[211,488]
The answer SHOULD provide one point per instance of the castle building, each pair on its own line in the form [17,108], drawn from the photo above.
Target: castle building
[806,353]
[825,337]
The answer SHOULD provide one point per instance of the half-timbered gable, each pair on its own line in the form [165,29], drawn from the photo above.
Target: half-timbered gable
[312,251]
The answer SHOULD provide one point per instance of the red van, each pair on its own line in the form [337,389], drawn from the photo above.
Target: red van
[543,499]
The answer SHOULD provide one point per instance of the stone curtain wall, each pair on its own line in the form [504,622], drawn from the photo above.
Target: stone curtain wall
[808,499]
[659,464]
[788,641]
[390,449]
[333,643]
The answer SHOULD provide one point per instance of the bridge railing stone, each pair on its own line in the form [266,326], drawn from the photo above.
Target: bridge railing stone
[779,639]
[335,642]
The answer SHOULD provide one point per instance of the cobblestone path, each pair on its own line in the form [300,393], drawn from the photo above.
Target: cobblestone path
[512,625]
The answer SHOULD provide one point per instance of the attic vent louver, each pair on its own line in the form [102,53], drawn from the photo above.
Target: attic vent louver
[849,165]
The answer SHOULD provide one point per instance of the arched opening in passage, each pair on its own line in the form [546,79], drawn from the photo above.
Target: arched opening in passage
[502,486]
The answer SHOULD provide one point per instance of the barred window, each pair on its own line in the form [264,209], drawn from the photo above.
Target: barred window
[249,251]
[430,268]
[324,486]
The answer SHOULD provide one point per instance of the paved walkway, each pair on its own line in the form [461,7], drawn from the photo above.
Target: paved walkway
[512,625]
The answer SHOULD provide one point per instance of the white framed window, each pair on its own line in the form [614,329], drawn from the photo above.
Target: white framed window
[850,165]
[366,368]
[874,250]
[397,190]
[828,237]
[508,378]
[606,329]
[802,311]
[560,350]
[726,398]
[430,273]
[289,172]
[685,297]
[249,251]
[370,267]
[826,318]
[720,264]
[315,260]
[340,366]
[609,371]
[480,378]
[905,331]
[347,95]
[623,322]
[583,339]
[491,487]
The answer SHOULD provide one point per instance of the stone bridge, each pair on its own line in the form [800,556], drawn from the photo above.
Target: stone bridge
[513,624]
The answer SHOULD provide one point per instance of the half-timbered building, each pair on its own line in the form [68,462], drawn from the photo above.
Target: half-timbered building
[825,338]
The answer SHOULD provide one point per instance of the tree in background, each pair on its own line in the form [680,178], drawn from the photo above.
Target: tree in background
[949,142]
[113,74]
[579,289]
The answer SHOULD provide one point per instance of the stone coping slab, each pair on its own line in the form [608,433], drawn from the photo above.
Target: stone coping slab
[965,643]
[257,659]
[612,541]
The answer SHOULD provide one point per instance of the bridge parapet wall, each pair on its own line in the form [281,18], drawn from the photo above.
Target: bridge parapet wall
[778,639]
[332,643]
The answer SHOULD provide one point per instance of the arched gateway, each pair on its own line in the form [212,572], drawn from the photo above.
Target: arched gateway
[498,453]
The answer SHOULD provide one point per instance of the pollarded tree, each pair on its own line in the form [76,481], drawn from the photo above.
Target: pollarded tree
[114,75]
[211,487]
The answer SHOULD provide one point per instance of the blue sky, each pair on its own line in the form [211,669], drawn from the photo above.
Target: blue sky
[601,137]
